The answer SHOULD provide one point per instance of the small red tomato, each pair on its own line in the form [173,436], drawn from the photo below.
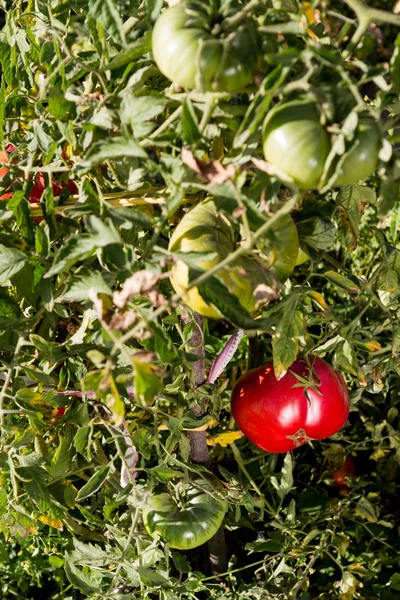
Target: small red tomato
[60,412]
[278,416]
[40,182]
[343,473]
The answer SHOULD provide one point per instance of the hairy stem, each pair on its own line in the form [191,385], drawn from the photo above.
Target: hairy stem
[199,452]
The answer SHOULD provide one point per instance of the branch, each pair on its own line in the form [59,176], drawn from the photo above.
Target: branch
[199,452]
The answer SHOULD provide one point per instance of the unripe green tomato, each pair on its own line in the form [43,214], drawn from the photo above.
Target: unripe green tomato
[189,55]
[295,142]
[189,525]
[204,230]
[363,159]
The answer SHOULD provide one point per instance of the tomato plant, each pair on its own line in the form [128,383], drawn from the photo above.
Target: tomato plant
[280,415]
[188,522]
[189,52]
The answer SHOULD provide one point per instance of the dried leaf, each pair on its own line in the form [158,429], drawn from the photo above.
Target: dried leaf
[141,283]
[224,439]
[213,171]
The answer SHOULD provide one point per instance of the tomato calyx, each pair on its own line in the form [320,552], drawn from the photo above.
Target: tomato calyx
[299,438]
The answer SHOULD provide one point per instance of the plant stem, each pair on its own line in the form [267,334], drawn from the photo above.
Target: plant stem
[199,452]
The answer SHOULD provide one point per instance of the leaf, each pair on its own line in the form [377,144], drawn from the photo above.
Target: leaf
[190,126]
[87,584]
[256,111]
[139,111]
[78,248]
[94,483]
[128,55]
[80,288]
[54,523]
[342,281]
[148,379]
[354,199]
[215,292]
[284,484]
[164,473]
[226,355]
[388,196]
[395,66]
[285,341]
[317,233]
[62,459]
[224,439]
[395,578]
[11,262]
[117,147]
[82,441]
[107,14]
[365,510]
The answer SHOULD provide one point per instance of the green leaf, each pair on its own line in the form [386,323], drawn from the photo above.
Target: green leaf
[107,150]
[285,341]
[138,111]
[94,483]
[365,510]
[215,292]
[58,105]
[342,281]
[79,288]
[395,66]
[148,382]
[265,546]
[388,196]
[190,126]
[82,441]
[395,578]
[317,233]
[87,584]
[164,473]
[106,13]
[128,55]
[61,462]
[11,262]
[78,248]
[284,484]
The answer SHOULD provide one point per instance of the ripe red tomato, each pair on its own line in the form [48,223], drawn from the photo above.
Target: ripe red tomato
[277,416]
[40,181]
[343,473]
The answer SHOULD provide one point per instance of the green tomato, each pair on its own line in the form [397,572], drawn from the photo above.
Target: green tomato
[296,144]
[188,54]
[362,160]
[205,231]
[187,526]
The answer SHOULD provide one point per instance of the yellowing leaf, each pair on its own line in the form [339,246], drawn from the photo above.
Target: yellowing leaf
[224,439]
[318,299]
[55,523]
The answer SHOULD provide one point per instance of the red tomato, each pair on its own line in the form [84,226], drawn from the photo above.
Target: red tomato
[277,416]
[343,473]
[40,181]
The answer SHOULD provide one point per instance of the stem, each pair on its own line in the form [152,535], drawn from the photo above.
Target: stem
[236,20]
[367,15]
[208,111]
[199,452]
[240,462]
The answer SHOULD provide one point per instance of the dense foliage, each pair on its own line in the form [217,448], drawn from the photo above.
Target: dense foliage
[110,417]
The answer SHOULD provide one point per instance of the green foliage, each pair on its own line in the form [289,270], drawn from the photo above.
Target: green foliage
[101,393]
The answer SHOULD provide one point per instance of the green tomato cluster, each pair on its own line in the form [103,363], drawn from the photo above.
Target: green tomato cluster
[193,52]
[297,145]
